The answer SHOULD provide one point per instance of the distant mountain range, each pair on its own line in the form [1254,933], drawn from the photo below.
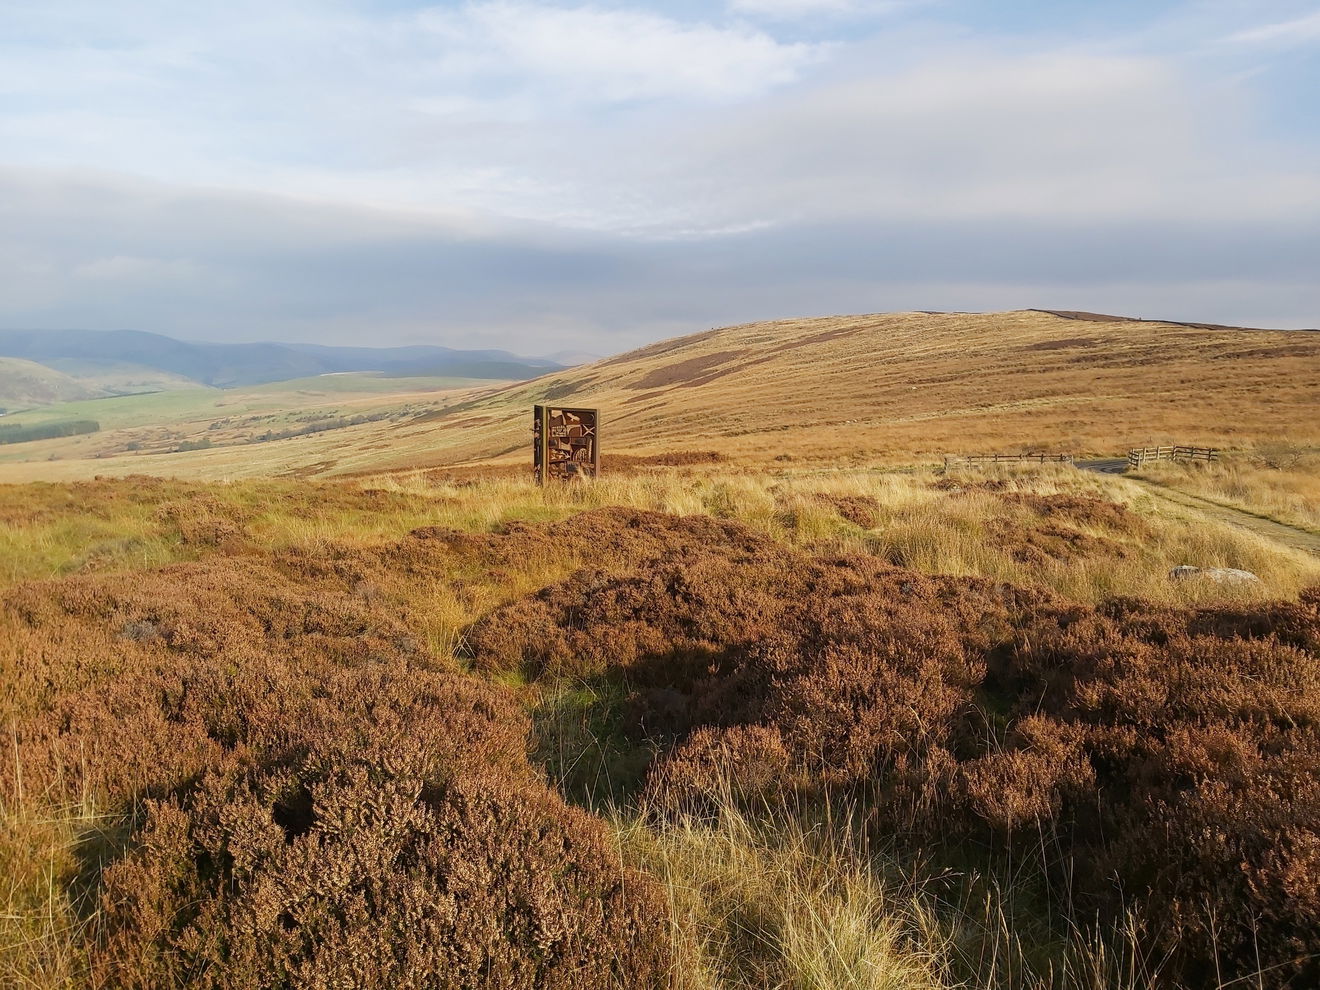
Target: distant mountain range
[226,365]
[109,361]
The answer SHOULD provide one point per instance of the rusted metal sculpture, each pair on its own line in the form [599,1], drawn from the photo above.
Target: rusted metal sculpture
[566,443]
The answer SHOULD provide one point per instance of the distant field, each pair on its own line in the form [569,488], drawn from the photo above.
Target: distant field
[888,389]
[164,407]
[119,411]
[140,433]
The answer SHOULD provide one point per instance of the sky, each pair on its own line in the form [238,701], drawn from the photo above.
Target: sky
[548,177]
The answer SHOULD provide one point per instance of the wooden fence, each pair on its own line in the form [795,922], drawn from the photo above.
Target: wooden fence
[1145,455]
[979,460]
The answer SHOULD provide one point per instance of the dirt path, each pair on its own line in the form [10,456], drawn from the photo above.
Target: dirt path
[1277,531]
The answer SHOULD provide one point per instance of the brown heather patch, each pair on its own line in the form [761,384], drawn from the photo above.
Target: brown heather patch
[860,510]
[1082,510]
[964,485]
[1155,757]
[684,372]
[1042,544]
[1061,527]
[307,797]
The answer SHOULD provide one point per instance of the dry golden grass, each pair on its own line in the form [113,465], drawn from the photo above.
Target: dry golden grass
[41,928]
[759,904]
[896,388]
[968,524]
[1278,481]
[800,897]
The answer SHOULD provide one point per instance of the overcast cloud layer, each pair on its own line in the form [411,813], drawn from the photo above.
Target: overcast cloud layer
[551,176]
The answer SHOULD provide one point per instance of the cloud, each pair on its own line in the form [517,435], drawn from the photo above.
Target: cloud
[506,173]
[429,107]
[976,134]
[787,10]
[1299,31]
[90,250]
[615,55]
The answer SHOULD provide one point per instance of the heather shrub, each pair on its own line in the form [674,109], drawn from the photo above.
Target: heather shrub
[1081,510]
[860,510]
[1154,756]
[305,791]
[384,868]
[307,798]
[204,521]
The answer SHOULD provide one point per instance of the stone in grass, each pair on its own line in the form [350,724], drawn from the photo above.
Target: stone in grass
[1220,575]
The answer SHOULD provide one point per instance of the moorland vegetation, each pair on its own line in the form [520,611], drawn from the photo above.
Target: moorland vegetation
[692,726]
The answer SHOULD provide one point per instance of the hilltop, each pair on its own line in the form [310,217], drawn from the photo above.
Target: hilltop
[889,388]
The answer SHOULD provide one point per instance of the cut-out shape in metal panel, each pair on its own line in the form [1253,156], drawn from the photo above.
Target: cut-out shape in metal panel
[565,443]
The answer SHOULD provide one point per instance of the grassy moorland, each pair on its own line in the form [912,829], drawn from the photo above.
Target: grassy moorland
[701,727]
[896,388]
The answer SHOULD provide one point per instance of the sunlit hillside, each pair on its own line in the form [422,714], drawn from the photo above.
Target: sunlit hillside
[889,388]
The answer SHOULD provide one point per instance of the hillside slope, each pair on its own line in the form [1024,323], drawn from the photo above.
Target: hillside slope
[890,388]
[25,383]
[121,377]
[907,385]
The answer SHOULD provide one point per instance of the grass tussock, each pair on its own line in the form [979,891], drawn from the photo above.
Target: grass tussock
[44,911]
[761,904]
[802,894]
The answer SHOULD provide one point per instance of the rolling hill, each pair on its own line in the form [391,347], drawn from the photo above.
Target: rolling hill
[229,365]
[891,388]
[915,385]
[121,377]
[26,383]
